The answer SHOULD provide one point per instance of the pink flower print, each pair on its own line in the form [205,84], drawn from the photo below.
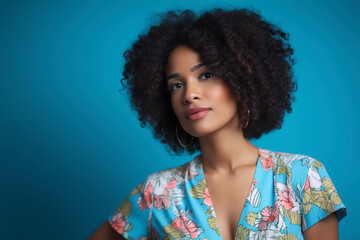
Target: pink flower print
[206,196]
[268,215]
[307,184]
[262,225]
[266,161]
[145,201]
[162,201]
[186,226]
[118,223]
[286,198]
[177,223]
[171,184]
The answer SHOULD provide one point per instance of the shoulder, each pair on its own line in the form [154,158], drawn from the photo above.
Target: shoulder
[171,178]
[286,162]
[298,169]
[303,184]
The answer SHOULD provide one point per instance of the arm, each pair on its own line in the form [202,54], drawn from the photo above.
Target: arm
[105,231]
[326,229]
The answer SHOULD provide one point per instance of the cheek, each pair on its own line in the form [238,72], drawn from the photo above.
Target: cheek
[222,94]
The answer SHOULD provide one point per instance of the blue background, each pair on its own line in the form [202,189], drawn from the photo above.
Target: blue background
[72,149]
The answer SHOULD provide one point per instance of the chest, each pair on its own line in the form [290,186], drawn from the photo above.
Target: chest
[228,195]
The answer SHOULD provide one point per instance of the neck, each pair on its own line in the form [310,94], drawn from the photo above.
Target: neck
[227,149]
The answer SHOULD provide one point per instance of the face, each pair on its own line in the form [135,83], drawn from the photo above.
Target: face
[193,85]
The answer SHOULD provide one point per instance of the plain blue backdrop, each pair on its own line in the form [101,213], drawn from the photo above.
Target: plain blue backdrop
[72,149]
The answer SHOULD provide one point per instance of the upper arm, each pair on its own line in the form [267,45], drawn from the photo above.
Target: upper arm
[105,231]
[326,229]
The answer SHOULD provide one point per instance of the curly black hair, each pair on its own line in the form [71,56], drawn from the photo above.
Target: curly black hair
[251,55]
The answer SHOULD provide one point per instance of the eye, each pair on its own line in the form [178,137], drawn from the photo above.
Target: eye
[174,87]
[207,75]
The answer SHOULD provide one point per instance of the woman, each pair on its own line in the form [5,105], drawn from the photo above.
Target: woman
[211,83]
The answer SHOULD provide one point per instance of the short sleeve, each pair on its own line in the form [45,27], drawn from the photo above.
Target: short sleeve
[132,218]
[319,198]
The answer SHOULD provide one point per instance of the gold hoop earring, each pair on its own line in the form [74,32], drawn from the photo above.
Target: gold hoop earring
[247,122]
[177,136]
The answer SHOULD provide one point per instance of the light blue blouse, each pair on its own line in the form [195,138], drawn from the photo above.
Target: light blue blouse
[289,194]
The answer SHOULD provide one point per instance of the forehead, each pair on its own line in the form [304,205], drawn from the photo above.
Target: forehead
[182,57]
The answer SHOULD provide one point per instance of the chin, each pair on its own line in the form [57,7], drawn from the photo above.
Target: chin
[201,129]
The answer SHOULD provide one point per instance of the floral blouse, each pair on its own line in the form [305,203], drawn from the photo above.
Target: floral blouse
[289,194]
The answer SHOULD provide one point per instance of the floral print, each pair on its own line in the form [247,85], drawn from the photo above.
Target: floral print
[118,222]
[145,202]
[286,198]
[182,227]
[289,193]
[266,161]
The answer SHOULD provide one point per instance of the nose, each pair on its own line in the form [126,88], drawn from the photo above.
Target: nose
[192,92]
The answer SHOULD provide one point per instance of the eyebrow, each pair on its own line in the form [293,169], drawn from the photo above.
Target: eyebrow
[175,75]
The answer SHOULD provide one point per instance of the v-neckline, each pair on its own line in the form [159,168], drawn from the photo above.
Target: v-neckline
[249,191]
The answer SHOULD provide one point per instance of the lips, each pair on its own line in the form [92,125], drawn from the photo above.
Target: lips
[196,110]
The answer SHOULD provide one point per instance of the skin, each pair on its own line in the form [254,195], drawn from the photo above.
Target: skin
[105,231]
[324,229]
[219,132]
[229,159]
